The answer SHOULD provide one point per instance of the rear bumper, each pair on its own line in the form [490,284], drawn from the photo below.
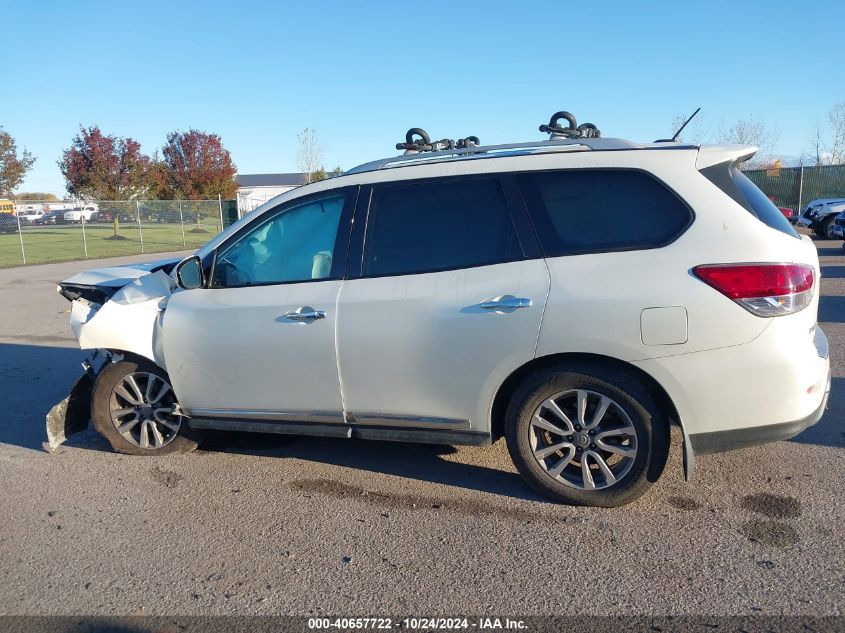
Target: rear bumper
[720,441]
[767,390]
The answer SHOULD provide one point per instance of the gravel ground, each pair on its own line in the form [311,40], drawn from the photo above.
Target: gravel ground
[256,524]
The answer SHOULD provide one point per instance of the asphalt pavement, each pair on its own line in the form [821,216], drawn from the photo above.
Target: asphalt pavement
[257,524]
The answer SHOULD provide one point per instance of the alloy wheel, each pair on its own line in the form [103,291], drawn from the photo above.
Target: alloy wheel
[583,439]
[143,410]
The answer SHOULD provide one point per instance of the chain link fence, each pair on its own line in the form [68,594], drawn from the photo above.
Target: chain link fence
[52,231]
[794,187]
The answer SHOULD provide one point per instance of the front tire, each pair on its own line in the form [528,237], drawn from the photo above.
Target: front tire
[587,435]
[133,406]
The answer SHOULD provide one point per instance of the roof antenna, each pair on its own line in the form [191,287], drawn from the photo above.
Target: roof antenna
[680,129]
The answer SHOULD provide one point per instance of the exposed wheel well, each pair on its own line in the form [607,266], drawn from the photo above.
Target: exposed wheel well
[512,382]
[132,356]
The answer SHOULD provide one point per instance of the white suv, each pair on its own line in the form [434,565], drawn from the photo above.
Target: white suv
[576,296]
[80,214]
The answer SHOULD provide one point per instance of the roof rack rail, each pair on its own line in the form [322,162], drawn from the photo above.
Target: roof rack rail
[489,151]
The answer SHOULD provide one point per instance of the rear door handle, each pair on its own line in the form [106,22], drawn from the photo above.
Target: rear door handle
[305,313]
[506,301]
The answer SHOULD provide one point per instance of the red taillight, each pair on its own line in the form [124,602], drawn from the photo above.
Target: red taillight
[762,289]
[787,212]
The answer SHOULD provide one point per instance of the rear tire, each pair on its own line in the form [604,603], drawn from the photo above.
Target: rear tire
[620,434]
[826,227]
[132,406]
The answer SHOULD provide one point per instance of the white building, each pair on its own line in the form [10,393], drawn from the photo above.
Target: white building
[256,189]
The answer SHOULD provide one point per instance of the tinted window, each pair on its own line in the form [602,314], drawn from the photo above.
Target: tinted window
[761,206]
[437,226]
[296,244]
[591,210]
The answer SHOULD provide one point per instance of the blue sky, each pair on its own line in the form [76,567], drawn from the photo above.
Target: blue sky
[363,72]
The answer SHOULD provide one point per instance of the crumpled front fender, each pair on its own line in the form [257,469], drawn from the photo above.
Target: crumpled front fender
[130,321]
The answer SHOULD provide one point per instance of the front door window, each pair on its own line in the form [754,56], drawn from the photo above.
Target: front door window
[294,245]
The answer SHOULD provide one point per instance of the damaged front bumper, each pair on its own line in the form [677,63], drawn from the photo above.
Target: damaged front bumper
[113,311]
[73,414]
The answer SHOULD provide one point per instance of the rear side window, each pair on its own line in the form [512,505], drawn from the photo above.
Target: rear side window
[595,210]
[425,227]
[760,205]
[737,185]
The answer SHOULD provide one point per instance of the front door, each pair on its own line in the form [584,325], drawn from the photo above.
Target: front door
[259,341]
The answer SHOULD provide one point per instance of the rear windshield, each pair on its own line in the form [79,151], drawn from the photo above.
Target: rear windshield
[760,205]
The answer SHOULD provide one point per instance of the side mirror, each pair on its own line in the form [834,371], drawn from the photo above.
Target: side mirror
[189,273]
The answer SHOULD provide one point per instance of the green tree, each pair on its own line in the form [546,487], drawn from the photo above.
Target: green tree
[317,175]
[13,168]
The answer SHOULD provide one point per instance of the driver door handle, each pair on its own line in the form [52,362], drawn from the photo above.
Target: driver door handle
[305,313]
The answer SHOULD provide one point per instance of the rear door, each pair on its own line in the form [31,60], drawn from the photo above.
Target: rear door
[444,300]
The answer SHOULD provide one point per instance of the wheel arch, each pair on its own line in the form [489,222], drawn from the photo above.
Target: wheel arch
[512,382]
[123,354]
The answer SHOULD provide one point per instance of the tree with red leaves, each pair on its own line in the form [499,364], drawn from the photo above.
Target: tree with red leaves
[198,166]
[106,167]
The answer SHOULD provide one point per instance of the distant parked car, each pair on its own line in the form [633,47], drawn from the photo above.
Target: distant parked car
[837,230]
[8,223]
[31,216]
[79,214]
[819,215]
[104,216]
[51,217]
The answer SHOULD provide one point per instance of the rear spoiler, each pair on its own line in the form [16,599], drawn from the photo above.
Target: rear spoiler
[709,155]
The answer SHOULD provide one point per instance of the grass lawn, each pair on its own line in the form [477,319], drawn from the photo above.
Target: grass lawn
[62,243]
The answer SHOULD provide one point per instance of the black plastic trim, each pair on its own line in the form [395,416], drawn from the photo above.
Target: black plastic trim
[347,431]
[264,426]
[92,293]
[423,436]
[528,237]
